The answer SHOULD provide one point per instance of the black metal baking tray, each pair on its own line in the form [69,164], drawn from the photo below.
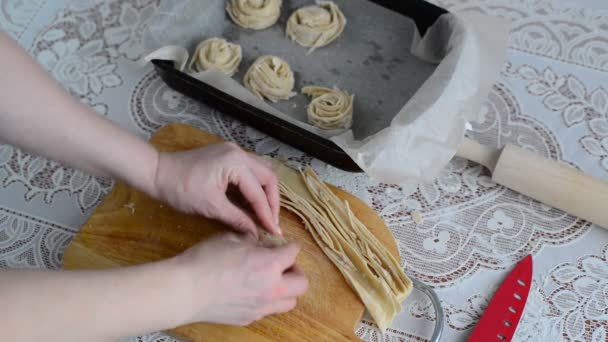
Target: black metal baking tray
[424,15]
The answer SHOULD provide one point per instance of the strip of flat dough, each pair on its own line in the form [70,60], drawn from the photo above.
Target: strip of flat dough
[216,54]
[329,108]
[270,77]
[316,26]
[254,14]
[365,263]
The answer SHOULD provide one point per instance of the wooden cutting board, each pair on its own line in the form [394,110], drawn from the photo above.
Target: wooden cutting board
[131,228]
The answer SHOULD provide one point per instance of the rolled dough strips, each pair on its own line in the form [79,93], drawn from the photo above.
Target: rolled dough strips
[254,14]
[270,77]
[367,266]
[329,108]
[265,238]
[216,54]
[316,26]
[270,240]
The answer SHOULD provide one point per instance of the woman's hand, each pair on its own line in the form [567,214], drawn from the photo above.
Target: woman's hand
[196,181]
[231,280]
[226,279]
[60,127]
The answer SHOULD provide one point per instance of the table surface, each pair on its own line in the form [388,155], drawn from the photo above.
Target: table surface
[551,97]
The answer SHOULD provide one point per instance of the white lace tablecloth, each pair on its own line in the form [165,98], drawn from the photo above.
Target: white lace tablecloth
[551,97]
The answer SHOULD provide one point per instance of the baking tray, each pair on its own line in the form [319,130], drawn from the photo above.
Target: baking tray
[371,59]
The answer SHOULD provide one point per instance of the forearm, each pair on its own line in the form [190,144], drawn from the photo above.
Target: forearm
[92,305]
[36,114]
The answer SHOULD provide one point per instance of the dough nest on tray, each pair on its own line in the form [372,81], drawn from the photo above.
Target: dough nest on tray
[270,77]
[216,54]
[329,108]
[316,26]
[254,14]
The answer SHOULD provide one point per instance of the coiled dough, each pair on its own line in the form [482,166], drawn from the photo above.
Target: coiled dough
[216,54]
[254,14]
[316,26]
[270,77]
[329,108]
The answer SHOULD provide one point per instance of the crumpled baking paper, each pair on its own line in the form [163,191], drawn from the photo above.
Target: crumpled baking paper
[469,50]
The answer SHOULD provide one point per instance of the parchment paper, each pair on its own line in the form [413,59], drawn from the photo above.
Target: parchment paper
[414,95]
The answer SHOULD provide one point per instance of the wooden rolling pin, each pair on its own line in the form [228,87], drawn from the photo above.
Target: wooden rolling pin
[545,180]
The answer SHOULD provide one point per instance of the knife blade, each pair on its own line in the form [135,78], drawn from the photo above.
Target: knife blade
[504,311]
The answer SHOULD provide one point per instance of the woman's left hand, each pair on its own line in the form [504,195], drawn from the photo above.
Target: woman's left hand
[196,181]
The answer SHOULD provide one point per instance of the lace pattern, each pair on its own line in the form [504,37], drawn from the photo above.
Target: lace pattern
[551,97]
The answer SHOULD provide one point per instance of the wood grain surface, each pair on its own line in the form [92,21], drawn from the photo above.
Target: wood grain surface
[131,228]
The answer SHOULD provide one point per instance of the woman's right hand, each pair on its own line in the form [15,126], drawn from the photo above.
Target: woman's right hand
[231,280]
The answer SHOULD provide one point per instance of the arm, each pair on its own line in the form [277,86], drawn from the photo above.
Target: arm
[90,305]
[113,304]
[38,115]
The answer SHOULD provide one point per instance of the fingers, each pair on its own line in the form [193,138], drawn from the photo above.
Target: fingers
[250,187]
[295,283]
[272,193]
[284,256]
[282,306]
[267,161]
[262,170]
[295,269]
[235,217]
[239,238]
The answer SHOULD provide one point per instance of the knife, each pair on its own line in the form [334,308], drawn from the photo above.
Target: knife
[500,319]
